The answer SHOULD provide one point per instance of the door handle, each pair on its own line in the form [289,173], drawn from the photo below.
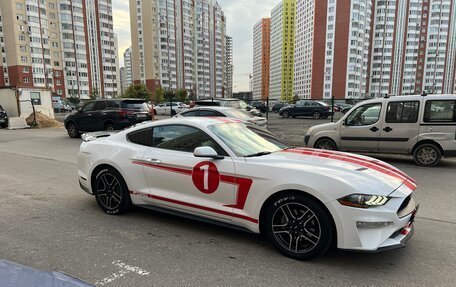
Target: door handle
[89,115]
[374,129]
[387,129]
[154,160]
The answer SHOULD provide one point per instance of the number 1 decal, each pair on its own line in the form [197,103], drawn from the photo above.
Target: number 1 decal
[206,177]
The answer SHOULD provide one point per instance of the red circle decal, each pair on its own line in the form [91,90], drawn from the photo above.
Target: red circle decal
[206,177]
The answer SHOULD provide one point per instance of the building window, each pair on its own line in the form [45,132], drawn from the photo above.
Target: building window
[26,80]
[35,97]
[18,6]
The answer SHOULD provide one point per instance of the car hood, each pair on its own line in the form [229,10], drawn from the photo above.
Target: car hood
[16,275]
[322,127]
[366,174]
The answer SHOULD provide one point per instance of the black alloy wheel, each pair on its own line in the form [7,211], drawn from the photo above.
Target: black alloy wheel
[299,227]
[111,192]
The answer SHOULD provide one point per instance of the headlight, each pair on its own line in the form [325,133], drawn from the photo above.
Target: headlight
[363,200]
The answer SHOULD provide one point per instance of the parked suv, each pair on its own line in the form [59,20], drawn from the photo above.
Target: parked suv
[108,114]
[304,108]
[3,118]
[422,126]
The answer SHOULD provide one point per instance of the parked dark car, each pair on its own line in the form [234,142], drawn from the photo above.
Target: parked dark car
[3,118]
[276,107]
[346,108]
[314,109]
[108,114]
[261,106]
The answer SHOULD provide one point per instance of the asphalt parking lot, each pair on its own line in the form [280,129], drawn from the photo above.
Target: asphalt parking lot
[48,223]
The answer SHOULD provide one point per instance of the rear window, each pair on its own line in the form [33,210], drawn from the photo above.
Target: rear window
[233,104]
[440,111]
[134,105]
[208,103]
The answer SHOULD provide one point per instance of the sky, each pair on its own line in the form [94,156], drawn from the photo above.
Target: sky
[241,15]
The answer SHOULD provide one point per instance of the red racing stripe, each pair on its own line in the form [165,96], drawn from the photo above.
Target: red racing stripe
[363,159]
[192,205]
[354,160]
[164,167]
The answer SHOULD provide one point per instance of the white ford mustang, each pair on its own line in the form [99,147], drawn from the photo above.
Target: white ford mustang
[230,173]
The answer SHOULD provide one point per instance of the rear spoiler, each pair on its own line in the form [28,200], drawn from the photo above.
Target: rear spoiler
[95,135]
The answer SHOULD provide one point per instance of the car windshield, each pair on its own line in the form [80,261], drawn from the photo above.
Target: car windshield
[246,140]
[238,114]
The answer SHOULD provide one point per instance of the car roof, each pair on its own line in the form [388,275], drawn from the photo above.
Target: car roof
[214,108]
[413,98]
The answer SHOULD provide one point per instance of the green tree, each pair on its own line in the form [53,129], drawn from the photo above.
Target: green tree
[159,92]
[138,91]
[295,99]
[169,95]
[74,101]
[94,94]
[181,95]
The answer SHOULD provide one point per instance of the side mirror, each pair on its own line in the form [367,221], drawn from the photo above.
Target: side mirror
[206,151]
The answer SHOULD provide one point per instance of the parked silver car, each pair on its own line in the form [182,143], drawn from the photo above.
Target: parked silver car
[225,112]
[422,126]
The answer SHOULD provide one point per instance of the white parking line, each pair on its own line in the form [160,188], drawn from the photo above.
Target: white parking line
[124,270]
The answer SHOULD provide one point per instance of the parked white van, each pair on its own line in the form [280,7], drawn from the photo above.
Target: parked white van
[422,126]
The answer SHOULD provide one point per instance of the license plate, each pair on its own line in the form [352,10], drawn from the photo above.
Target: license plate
[141,116]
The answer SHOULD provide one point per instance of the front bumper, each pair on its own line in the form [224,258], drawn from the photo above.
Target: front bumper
[394,230]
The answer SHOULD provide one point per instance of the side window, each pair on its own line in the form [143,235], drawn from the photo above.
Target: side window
[364,115]
[100,105]
[141,137]
[89,107]
[113,104]
[183,138]
[402,112]
[207,113]
[440,111]
[190,114]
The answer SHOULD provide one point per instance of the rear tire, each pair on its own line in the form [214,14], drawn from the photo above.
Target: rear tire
[316,115]
[72,130]
[109,127]
[298,226]
[4,126]
[427,155]
[111,192]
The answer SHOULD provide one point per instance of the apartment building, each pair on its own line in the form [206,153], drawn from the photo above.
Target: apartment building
[414,48]
[229,67]
[128,68]
[45,44]
[332,48]
[179,44]
[282,50]
[261,58]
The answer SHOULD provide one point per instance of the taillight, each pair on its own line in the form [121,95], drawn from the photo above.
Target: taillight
[125,113]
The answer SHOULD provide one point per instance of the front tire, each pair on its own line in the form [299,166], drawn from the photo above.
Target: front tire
[326,144]
[111,192]
[427,155]
[285,115]
[298,226]
[72,130]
